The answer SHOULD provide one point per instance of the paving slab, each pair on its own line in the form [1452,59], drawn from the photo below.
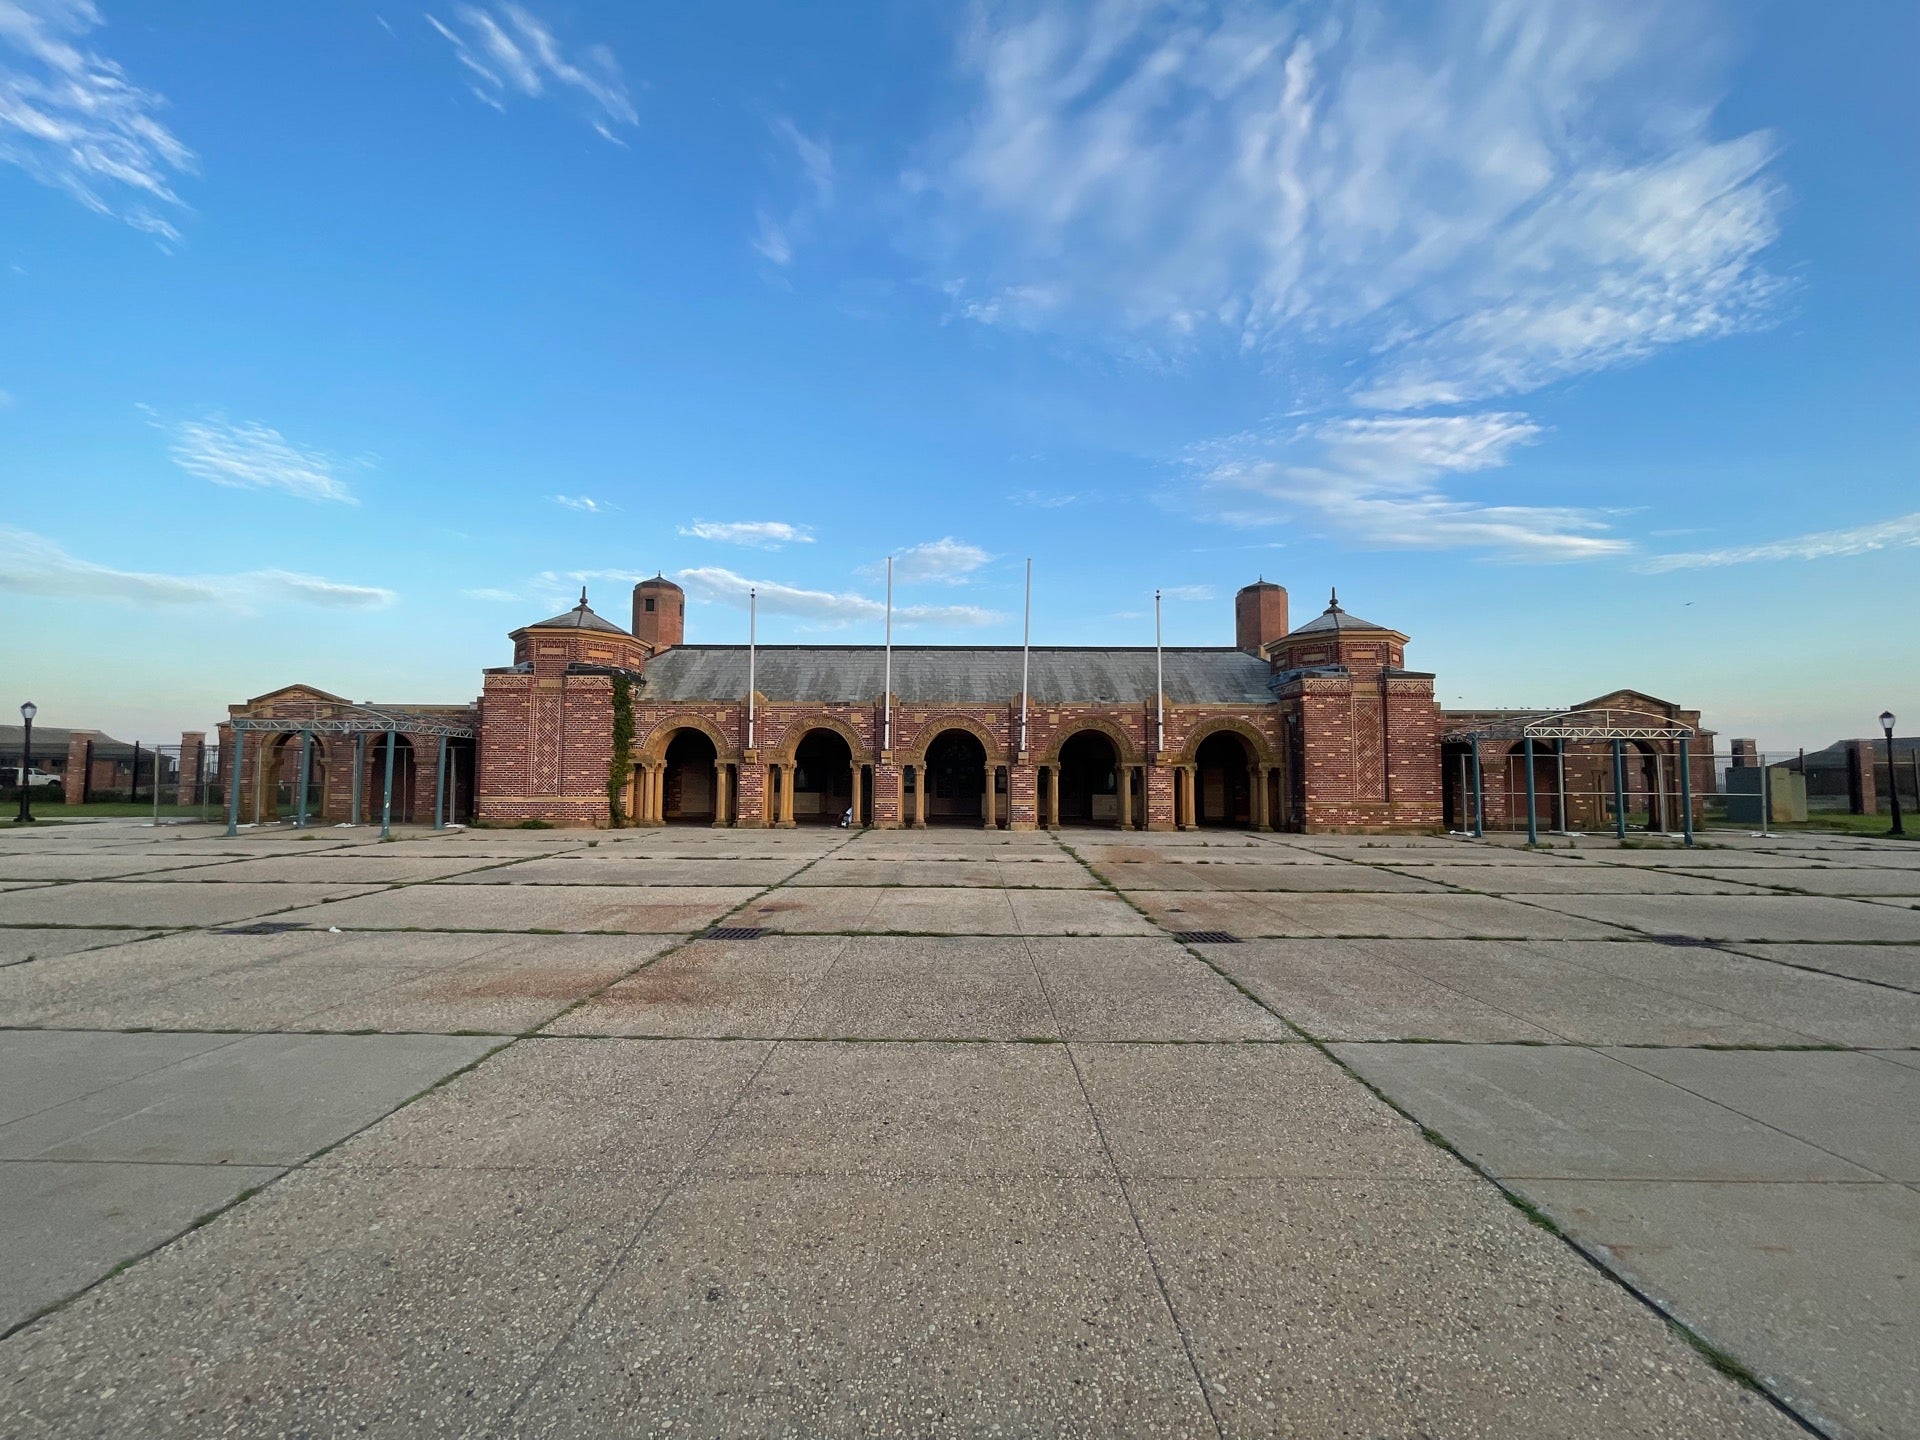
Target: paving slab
[73,864]
[1880,964]
[1582,879]
[21,944]
[928,988]
[69,1223]
[1813,1286]
[595,868]
[966,871]
[795,910]
[1438,915]
[1856,1106]
[635,909]
[1343,990]
[1143,989]
[712,989]
[1172,875]
[1076,912]
[1745,917]
[891,1110]
[609,1107]
[40,1072]
[1385,1307]
[132,903]
[1565,1112]
[1246,1110]
[1846,879]
[375,865]
[335,1302]
[828,1307]
[258,1100]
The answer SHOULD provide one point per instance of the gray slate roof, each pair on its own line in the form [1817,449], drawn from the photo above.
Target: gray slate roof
[1334,618]
[956,674]
[578,618]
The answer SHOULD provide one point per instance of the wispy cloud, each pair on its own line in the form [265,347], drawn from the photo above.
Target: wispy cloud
[506,51]
[1900,533]
[485,593]
[71,118]
[1187,592]
[947,560]
[31,564]
[822,607]
[252,456]
[1043,499]
[585,502]
[1478,199]
[1382,481]
[760,534]
[780,227]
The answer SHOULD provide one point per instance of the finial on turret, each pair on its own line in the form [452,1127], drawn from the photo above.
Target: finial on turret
[1333,600]
[583,597]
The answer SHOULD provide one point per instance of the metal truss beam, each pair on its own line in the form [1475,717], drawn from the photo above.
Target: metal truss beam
[1577,725]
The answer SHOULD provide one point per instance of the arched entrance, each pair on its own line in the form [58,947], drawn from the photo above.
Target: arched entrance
[279,795]
[1223,780]
[690,789]
[822,778]
[956,779]
[404,774]
[1090,780]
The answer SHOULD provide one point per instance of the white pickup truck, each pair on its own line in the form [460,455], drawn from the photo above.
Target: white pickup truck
[10,777]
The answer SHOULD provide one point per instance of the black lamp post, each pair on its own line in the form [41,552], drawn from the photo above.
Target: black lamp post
[1893,775]
[27,712]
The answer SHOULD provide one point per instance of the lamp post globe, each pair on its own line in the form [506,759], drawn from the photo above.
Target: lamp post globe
[27,712]
[1893,775]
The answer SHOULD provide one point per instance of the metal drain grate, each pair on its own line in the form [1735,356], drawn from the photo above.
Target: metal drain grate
[734,932]
[263,927]
[1205,937]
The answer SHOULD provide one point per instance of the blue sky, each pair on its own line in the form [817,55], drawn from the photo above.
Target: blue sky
[1576,340]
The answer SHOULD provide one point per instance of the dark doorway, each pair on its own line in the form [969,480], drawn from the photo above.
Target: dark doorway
[822,778]
[1089,780]
[690,782]
[403,778]
[1223,789]
[956,779]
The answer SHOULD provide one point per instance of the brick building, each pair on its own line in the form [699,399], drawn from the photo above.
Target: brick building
[1315,728]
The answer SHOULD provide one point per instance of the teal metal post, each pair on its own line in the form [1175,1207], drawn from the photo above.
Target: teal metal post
[440,789]
[386,795]
[1619,790]
[1533,820]
[1479,796]
[1686,793]
[359,775]
[233,782]
[306,762]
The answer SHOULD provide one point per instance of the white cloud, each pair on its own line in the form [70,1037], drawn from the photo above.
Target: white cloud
[1900,533]
[760,534]
[585,502]
[823,607]
[1187,592]
[779,228]
[1381,482]
[1043,499]
[70,117]
[947,560]
[488,594]
[1477,198]
[253,456]
[33,565]
[507,51]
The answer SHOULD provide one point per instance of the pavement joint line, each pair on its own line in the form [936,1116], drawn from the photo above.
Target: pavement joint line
[1180,1326]
[1711,1351]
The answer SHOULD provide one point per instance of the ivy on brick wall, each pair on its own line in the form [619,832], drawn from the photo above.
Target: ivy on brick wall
[620,767]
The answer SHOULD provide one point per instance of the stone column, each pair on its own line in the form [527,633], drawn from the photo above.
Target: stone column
[787,772]
[1189,802]
[857,767]
[1126,797]
[988,803]
[719,794]
[920,796]
[1053,797]
[1257,806]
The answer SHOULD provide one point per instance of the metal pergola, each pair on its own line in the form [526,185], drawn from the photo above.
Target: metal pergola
[1615,726]
[359,721]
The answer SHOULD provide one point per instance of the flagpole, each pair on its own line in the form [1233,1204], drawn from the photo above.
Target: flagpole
[753,639]
[1026,639]
[1159,684]
[886,723]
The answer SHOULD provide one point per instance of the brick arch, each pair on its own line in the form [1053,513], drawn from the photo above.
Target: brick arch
[797,731]
[931,729]
[1264,752]
[1124,748]
[652,748]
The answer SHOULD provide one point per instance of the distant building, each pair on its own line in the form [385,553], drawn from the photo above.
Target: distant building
[88,763]
[1319,728]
